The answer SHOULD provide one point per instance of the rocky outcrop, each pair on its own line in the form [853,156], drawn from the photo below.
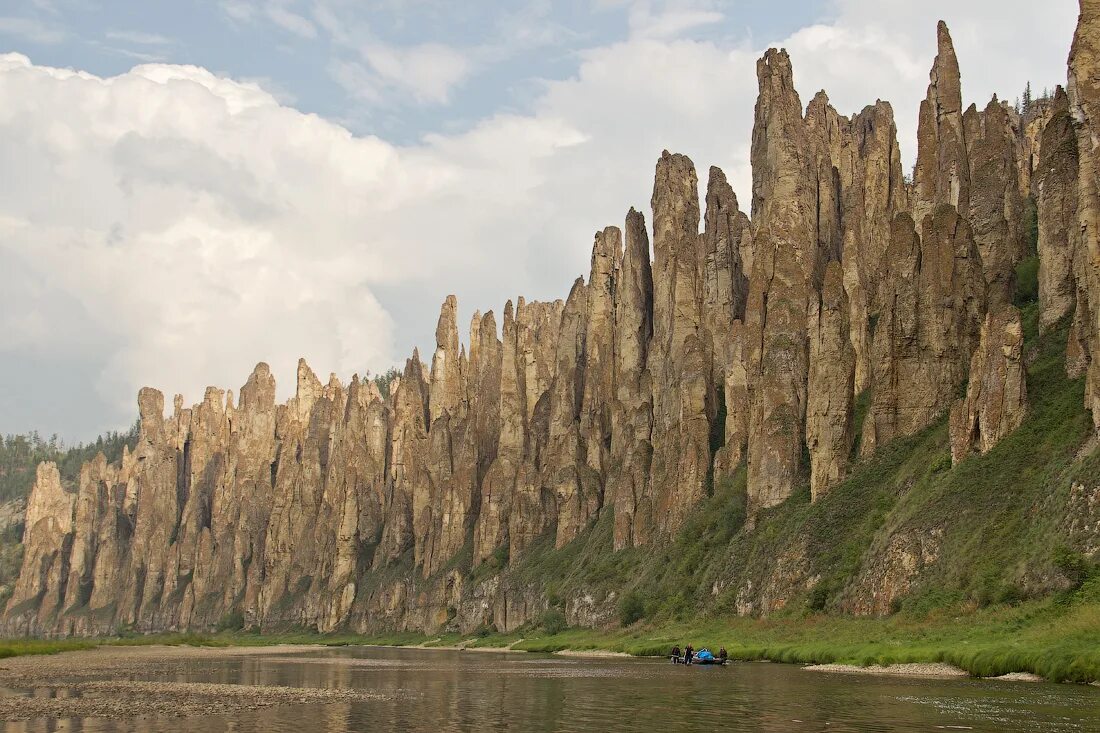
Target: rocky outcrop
[47,538]
[1084,99]
[1059,234]
[996,394]
[677,359]
[538,327]
[996,207]
[930,324]
[832,376]
[572,484]
[874,191]
[1029,149]
[942,173]
[631,438]
[784,267]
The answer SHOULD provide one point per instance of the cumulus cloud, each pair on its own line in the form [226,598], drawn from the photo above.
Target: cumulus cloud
[198,225]
[171,227]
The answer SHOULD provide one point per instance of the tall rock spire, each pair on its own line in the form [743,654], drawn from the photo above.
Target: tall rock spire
[996,207]
[631,446]
[1084,98]
[785,261]
[678,362]
[942,175]
[448,391]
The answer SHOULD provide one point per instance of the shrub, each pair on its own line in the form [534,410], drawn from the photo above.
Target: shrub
[231,622]
[1072,565]
[553,621]
[1027,281]
[631,608]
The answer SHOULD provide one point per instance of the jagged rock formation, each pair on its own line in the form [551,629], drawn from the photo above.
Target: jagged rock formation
[47,541]
[1059,233]
[996,206]
[930,324]
[744,344]
[942,174]
[677,359]
[631,440]
[785,265]
[832,378]
[996,395]
[1084,99]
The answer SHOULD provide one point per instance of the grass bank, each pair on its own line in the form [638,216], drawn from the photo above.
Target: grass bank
[1057,638]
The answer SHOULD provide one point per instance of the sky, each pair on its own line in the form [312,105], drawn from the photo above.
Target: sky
[191,187]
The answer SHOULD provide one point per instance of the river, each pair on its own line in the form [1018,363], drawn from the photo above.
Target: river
[433,691]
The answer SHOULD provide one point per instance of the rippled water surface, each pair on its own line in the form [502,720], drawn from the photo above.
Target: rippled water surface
[470,691]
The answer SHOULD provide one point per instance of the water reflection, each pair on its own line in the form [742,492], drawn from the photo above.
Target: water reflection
[435,691]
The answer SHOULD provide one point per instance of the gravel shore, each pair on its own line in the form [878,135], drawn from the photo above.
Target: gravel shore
[72,684]
[896,670]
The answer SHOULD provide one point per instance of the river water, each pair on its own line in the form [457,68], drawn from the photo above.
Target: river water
[436,691]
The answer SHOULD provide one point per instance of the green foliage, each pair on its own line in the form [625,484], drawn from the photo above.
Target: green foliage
[1030,223]
[21,454]
[231,622]
[859,415]
[631,608]
[553,621]
[1027,281]
[492,565]
[1074,566]
[385,380]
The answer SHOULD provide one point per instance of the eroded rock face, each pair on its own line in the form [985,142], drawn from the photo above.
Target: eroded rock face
[942,174]
[784,268]
[727,232]
[832,376]
[930,324]
[1059,233]
[1084,100]
[631,446]
[679,370]
[898,562]
[996,207]
[47,537]
[996,394]
[566,474]
[874,191]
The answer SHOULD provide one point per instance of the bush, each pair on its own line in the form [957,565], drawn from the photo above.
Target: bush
[1072,565]
[553,621]
[631,609]
[1027,281]
[231,622]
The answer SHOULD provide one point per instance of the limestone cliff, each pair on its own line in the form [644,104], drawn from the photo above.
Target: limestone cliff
[736,350]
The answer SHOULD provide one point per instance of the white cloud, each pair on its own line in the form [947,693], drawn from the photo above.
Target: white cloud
[139,37]
[291,22]
[203,226]
[672,23]
[32,30]
[428,71]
